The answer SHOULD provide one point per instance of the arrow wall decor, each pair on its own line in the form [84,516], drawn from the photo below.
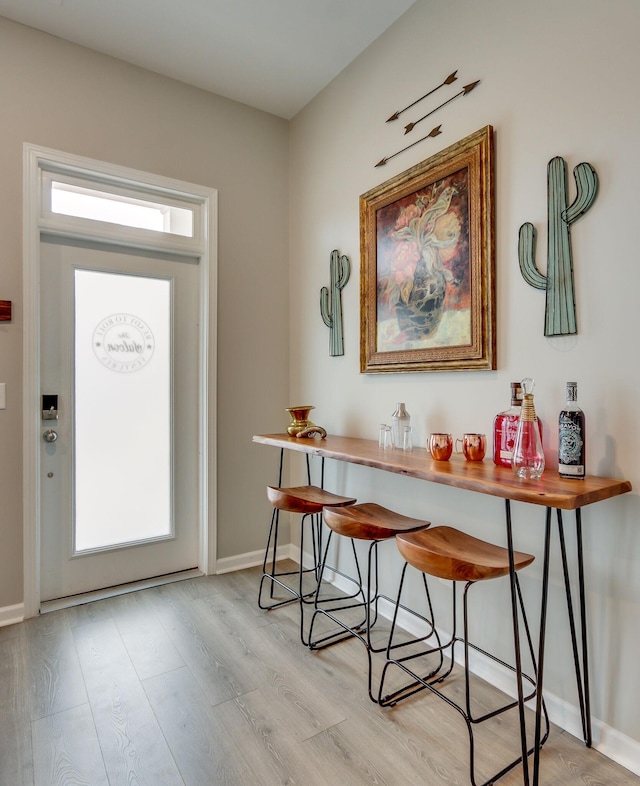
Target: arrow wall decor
[466,89]
[434,132]
[437,129]
[451,78]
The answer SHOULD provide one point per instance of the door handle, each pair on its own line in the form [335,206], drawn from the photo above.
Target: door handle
[50,435]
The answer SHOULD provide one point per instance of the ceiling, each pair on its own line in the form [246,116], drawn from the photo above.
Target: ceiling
[275,55]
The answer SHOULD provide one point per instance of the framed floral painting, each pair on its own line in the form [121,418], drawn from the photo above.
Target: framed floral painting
[427,276]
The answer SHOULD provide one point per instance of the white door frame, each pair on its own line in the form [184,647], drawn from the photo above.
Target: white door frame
[38,160]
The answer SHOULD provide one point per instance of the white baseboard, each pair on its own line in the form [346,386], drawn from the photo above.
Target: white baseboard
[10,615]
[616,746]
[253,558]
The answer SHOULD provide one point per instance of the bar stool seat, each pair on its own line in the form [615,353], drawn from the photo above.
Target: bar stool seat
[371,522]
[310,502]
[448,553]
[305,499]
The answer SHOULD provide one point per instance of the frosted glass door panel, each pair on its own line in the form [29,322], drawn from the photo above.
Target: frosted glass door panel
[122,410]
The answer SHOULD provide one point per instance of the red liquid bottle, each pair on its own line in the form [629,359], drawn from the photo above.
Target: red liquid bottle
[505,427]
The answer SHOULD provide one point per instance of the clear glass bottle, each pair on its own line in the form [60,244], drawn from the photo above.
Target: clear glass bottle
[505,427]
[528,457]
[571,436]
[399,421]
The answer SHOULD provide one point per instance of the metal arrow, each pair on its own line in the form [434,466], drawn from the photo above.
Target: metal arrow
[451,78]
[466,89]
[434,132]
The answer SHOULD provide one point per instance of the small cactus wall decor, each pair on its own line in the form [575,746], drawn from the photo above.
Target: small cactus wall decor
[331,304]
[560,310]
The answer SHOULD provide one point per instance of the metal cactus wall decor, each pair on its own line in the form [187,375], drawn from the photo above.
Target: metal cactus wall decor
[331,304]
[560,310]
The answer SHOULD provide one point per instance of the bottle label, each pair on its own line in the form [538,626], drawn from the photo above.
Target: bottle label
[574,470]
[571,444]
[570,440]
[504,437]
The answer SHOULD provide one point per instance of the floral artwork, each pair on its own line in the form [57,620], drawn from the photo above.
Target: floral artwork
[427,264]
[423,268]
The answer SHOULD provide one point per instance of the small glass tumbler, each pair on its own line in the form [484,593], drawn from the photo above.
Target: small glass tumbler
[407,441]
[387,442]
[383,427]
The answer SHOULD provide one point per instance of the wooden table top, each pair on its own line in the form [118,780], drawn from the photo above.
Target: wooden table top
[482,476]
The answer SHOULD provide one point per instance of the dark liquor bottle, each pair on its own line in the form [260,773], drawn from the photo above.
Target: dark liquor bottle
[571,436]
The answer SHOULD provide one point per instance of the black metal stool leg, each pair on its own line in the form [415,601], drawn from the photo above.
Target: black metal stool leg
[269,573]
[419,683]
[315,522]
[328,607]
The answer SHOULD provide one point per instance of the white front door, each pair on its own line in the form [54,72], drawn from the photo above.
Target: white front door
[119,466]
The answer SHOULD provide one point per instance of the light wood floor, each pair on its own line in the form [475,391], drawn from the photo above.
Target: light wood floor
[190,683]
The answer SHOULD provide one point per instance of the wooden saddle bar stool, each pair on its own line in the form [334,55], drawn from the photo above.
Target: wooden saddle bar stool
[309,501]
[367,522]
[448,553]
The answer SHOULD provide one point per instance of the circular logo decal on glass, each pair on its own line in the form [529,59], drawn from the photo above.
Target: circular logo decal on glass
[123,342]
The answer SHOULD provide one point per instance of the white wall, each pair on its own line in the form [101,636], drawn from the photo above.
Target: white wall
[64,97]
[557,79]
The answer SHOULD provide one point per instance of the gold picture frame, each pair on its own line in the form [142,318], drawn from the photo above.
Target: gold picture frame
[427,264]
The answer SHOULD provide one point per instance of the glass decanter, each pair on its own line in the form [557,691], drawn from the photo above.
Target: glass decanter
[528,457]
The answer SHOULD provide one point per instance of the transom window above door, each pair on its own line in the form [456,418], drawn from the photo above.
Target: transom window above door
[79,206]
[73,200]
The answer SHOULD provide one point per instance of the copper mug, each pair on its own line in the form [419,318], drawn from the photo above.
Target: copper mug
[440,446]
[474,446]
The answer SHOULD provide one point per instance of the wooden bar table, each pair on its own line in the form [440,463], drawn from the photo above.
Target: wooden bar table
[550,491]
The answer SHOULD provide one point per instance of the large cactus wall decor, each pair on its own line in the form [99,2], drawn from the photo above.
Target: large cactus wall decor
[560,312]
[331,305]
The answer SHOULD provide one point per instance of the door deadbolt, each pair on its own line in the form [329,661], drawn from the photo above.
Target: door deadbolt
[49,407]
[50,435]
